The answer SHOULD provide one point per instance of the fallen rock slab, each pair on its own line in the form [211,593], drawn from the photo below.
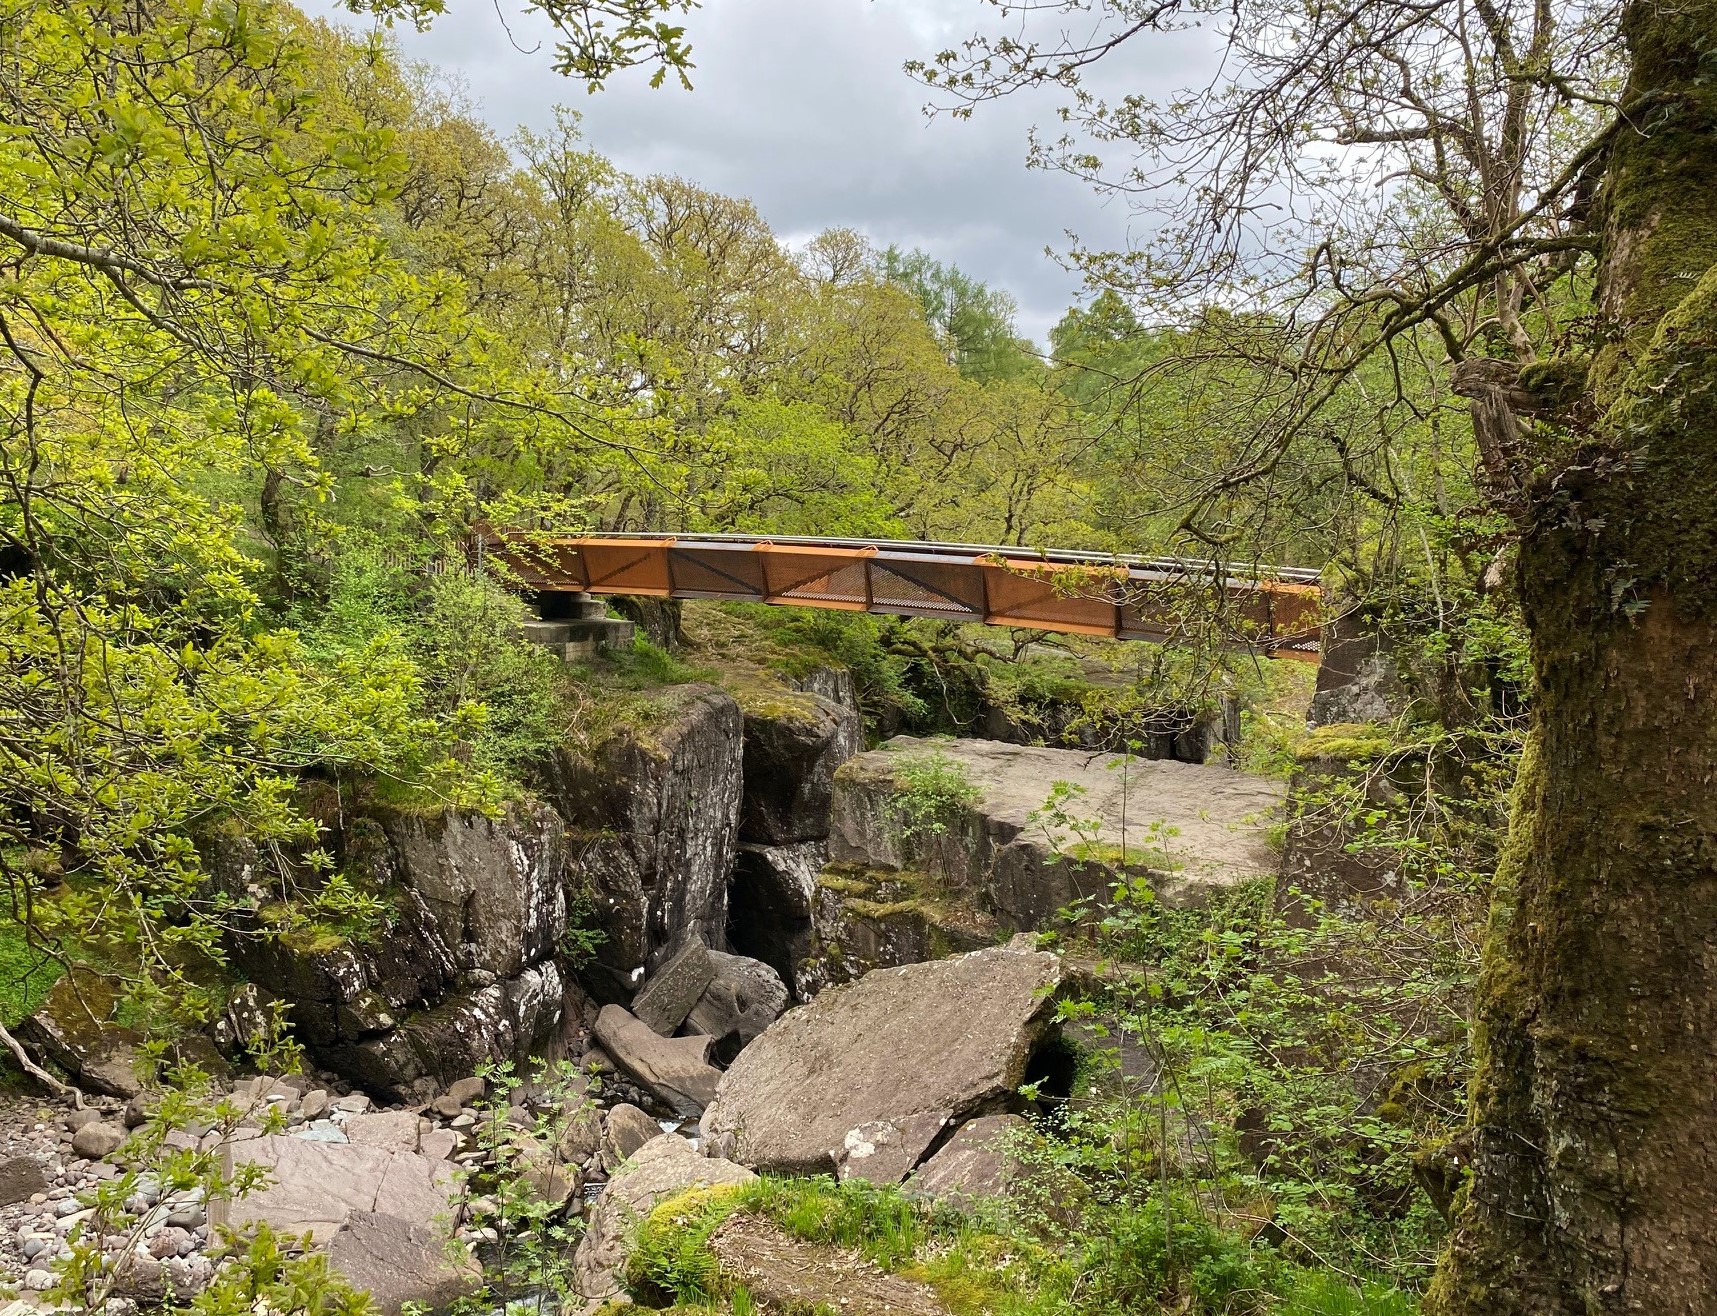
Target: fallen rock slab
[315,1187]
[743,998]
[786,1274]
[993,1161]
[672,990]
[914,1046]
[675,1069]
[664,1166]
[397,1262]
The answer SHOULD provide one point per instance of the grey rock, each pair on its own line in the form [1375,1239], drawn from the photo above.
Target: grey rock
[314,1186]
[884,1151]
[675,1069]
[389,1130]
[398,1262]
[21,1177]
[74,1027]
[626,1130]
[666,1165]
[137,1111]
[770,902]
[659,809]
[672,991]
[314,1104]
[794,741]
[981,1163]
[742,1000]
[947,1039]
[97,1140]
[73,1120]
[580,1136]
[466,1091]
[439,1144]
[170,1242]
[996,849]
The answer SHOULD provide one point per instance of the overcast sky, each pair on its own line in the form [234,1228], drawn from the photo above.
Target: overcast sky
[802,106]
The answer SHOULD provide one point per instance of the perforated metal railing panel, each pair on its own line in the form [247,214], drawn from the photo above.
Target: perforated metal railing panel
[1273,610]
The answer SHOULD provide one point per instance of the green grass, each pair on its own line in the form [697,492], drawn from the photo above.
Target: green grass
[25,976]
[1119,1260]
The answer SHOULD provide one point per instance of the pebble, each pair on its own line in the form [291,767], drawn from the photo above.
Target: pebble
[38,1280]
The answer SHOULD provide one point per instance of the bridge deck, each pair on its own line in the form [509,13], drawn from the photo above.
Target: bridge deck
[1275,611]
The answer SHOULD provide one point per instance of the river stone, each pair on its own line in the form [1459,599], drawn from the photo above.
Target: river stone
[397,1262]
[947,1039]
[20,1178]
[666,1165]
[315,1186]
[672,990]
[675,1069]
[94,1141]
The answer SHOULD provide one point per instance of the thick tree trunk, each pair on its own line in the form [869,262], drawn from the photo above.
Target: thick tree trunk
[1594,1119]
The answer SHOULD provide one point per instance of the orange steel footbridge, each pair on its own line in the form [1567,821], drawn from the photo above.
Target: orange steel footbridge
[1275,611]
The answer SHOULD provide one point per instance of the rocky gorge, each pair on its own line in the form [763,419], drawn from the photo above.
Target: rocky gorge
[711,919]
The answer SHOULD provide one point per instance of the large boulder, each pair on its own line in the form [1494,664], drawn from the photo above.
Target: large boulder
[664,1166]
[998,1160]
[656,805]
[1197,828]
[399,1263]
[743,998]
[794,741]
[315,1187]
[916,1048]
[675,1069]
[75,1028]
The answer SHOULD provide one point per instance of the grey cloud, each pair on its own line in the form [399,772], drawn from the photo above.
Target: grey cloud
[802,106]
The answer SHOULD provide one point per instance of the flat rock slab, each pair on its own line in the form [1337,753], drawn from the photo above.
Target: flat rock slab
[787,1274]
[388,1130]
[397,1262]
[664,1166]
[316,1186]
[676,1069]
[938,1041]
[1219,818]
[672,990]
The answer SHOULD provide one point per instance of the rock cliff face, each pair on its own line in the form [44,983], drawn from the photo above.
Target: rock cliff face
[794,744]
[463,968]
[637,841]
[655,816]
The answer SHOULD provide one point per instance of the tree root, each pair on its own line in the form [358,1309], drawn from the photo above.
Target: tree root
[36,1072]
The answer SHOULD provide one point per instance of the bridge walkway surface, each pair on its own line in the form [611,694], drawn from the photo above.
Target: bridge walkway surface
[1274,611]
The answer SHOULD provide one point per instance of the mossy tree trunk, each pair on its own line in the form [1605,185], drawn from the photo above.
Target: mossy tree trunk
[1594,1122]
